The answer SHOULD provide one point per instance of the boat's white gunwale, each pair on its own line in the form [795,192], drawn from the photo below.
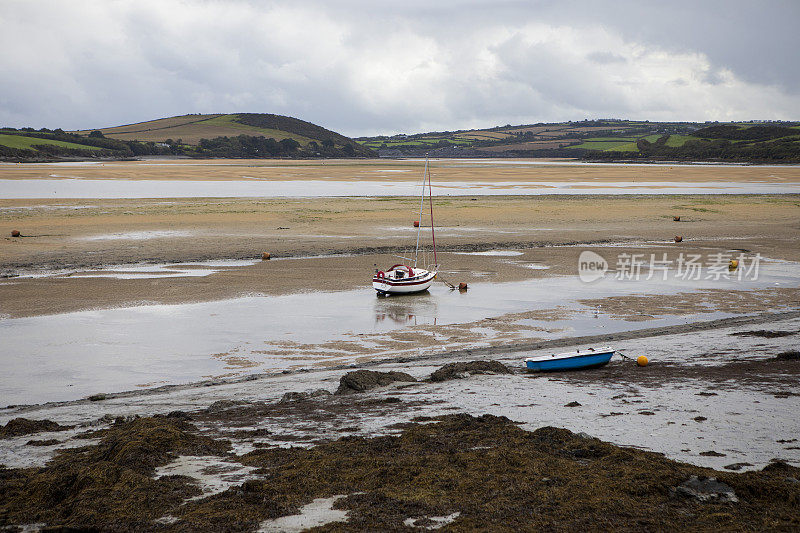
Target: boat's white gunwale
[407,285]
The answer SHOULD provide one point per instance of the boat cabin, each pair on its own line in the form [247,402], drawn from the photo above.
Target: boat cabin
[400,272]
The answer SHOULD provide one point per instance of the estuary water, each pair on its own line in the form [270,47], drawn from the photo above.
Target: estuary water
[67,187]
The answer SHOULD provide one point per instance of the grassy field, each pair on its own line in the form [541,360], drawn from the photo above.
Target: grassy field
[426,141]
[617,146]
[152,125]
[679,140]
[20,142]
[191,128]
[483,135]
[227,121]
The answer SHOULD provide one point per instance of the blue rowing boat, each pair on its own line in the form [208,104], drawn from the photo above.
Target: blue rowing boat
[577,360]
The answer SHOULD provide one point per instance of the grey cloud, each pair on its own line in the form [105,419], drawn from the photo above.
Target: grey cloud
[605,58]
[367,67]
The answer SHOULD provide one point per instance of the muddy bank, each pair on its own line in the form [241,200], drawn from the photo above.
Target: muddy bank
[777,376]
[481,472]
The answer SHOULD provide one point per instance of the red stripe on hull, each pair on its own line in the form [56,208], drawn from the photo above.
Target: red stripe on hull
[399,283]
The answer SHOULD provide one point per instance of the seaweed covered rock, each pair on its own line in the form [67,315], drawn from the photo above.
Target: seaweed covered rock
[224,405]
[363,380]
[462,370]
[295,396]
[765,333]
[480,473]
[108,486]
[706,490]
[24,426]
[789,355]
[563,442]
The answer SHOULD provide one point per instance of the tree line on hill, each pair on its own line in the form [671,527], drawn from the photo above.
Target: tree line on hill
[254,147]
[240,146]
[305,129]
[106,147]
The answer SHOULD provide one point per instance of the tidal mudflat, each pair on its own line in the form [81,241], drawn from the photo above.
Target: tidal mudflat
[197,387]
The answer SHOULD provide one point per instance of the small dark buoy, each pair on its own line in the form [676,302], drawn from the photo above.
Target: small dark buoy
[15,233]
[265,256]
[416,223]
[462,287]
[678,238]
[676,219]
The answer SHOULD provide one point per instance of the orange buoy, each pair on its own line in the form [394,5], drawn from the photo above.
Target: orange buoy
[676,219]
[15,233]
[462,286]
[416,223]
[265,256]
[678,238]
[642,360]
[733,265]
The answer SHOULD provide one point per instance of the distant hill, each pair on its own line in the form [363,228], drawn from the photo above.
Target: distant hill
[240,135]
[608,139]
[190,129]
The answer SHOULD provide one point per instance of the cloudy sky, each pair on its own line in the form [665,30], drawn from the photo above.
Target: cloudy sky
[371,67]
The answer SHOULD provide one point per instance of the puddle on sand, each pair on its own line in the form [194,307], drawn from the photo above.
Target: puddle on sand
[317,513]
[532,266]
[212,474]
[138,235]
[145,270]
[494,253]
[431,522]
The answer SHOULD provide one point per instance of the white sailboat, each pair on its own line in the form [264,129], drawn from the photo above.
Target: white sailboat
[406,279]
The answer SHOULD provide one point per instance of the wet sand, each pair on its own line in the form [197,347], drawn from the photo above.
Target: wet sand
[69,235]
[403,170]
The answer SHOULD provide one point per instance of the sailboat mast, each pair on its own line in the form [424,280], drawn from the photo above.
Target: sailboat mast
[430,198]
[419,218]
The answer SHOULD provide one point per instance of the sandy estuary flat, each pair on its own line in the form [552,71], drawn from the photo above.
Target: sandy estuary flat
[149,352]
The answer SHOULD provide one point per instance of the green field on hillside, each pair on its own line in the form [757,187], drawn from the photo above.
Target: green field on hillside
[608,143]
[629,146]
[26,143]
[425,141]
[228,121]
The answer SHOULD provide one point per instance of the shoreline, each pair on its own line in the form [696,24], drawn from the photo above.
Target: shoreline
[443,171]
[489,156]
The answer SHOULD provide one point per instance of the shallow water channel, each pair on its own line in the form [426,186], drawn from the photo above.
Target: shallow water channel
[70,356]
[76,187]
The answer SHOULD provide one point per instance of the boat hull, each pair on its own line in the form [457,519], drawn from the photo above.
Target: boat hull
[384,286]
[569,361]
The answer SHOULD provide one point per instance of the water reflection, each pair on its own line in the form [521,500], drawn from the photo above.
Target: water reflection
[407,309]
